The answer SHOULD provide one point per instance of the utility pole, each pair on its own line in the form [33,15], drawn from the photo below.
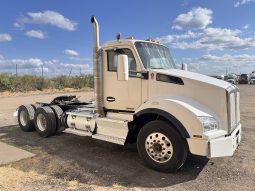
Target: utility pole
[16,70]
[42,77]
[70,73]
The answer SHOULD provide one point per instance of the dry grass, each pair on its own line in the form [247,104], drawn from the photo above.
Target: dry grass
[9,82]
[45,91]
[17,180]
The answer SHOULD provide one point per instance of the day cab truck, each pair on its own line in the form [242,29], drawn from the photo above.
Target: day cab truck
[142,98]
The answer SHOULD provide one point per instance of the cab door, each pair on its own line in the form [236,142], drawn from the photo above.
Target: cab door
[121,95]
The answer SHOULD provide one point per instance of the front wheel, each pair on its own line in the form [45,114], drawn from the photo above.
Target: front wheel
[161,147]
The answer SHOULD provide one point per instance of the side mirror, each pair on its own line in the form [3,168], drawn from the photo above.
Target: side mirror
[122,67]
[185,67]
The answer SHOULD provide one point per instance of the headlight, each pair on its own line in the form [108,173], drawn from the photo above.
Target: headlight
[209,123]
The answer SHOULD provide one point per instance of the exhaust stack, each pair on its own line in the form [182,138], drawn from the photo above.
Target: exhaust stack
[97,70]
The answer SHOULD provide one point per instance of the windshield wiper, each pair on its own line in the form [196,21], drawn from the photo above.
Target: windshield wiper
[157,68]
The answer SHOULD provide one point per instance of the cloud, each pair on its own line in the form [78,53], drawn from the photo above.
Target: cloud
[22,63]
[172,38]
[5,37]
[52,18]
[245,27]
[217,65]
[78,59]
[35,34]
[57,68]
[197,18]
[243,58]
[242,2]
[210,39]
[70,52]
[51,67]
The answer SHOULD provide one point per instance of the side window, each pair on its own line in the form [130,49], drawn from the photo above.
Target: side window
[112,59]
[112,64]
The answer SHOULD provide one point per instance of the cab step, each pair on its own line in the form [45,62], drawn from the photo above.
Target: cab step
[112,130]
[108,138]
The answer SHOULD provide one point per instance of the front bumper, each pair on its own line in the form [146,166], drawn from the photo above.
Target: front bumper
[225,146]
[218,146]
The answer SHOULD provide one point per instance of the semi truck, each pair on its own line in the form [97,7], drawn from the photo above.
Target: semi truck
[142,98]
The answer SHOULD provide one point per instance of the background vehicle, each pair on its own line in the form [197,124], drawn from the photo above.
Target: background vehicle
[244,79]
[252,78]
[140,97]
[220,77]
[232,78]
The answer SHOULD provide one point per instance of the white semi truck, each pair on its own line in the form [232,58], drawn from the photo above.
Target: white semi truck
[140,97]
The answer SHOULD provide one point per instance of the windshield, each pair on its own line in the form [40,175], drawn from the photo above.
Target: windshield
[154,56]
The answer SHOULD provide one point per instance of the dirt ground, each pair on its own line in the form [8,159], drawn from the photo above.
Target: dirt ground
[69,162]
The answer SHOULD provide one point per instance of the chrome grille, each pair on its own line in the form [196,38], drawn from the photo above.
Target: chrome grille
[233,99]
[238,107]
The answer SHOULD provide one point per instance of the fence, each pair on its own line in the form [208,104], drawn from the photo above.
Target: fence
[30,80]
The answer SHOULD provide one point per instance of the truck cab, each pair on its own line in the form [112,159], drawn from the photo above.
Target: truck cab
[141,97]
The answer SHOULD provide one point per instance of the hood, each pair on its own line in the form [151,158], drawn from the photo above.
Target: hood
[207,91]
[194,76]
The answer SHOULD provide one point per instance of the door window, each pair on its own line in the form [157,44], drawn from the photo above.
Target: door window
[112,59]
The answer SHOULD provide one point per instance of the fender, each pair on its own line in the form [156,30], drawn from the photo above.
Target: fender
[169,117]
[180,111]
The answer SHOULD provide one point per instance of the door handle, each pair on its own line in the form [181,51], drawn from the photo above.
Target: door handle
[110,99]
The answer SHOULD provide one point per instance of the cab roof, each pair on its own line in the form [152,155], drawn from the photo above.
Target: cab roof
[126,42]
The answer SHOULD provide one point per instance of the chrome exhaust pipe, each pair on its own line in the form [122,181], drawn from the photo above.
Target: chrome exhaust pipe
[97,70]
[96,32]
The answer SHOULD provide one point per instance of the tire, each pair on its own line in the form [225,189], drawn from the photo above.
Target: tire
[26,118]
[45,121]
[58,114]
[36,106]
[161,147]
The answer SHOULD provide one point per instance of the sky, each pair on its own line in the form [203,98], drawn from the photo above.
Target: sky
[211,37]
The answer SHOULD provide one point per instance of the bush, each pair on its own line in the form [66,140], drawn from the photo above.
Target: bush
[9,82]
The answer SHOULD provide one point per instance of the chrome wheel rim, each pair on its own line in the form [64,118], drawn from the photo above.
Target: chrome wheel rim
[24,118]
[159,147]
[41,122]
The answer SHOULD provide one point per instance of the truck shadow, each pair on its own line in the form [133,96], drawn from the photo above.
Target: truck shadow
[93,162]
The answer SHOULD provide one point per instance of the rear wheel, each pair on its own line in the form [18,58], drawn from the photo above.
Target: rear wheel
[161,147]
[45,121]
[26,117]
[36,106]
[58,113]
